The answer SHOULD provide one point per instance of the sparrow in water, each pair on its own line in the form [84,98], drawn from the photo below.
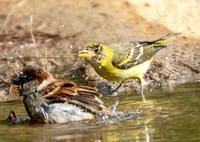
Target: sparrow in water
[57,101]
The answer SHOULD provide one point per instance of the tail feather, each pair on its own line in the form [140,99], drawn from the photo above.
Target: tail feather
[164,39]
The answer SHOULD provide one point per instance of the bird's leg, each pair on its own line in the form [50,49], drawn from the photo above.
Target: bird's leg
[116,88]
[142,83]
[142,89]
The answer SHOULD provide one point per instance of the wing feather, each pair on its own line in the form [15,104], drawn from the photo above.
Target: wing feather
[129,54]
[83,96]
[134,53]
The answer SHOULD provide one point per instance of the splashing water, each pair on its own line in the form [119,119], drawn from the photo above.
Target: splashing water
[113,108]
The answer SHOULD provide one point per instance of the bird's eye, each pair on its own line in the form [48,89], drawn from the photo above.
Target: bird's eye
[22,75]
[97,49]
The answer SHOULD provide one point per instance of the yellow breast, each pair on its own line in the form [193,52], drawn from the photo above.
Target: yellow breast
[111,73]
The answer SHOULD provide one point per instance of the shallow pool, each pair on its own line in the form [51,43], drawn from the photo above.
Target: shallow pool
[167,114]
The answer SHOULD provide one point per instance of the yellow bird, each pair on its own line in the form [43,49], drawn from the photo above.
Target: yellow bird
[122,61]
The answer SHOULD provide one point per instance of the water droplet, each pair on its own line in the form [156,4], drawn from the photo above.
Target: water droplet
[159,108]
[164,115]
[31,45]
[10,42]
[100,67]
[71,46]
[22,46]
[166,58]
[114,107]
[138,45]
[105,117]
[83,75]
[139,111]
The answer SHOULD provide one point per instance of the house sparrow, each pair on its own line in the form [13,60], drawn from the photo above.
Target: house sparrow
[57,101]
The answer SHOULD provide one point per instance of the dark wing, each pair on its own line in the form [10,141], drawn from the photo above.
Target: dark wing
[83,96]
[133,53]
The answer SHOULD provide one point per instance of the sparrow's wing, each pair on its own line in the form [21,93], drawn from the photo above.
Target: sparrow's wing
[82,96]
[14,90]
[129,54]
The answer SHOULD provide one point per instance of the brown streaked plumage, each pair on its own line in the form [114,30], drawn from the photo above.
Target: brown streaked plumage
[49,100]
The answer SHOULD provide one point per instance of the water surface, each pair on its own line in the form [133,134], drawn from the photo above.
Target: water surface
[168,114]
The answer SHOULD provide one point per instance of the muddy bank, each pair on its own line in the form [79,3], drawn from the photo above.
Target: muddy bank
[62,28]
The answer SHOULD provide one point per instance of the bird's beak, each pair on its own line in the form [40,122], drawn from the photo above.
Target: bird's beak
[85,54]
